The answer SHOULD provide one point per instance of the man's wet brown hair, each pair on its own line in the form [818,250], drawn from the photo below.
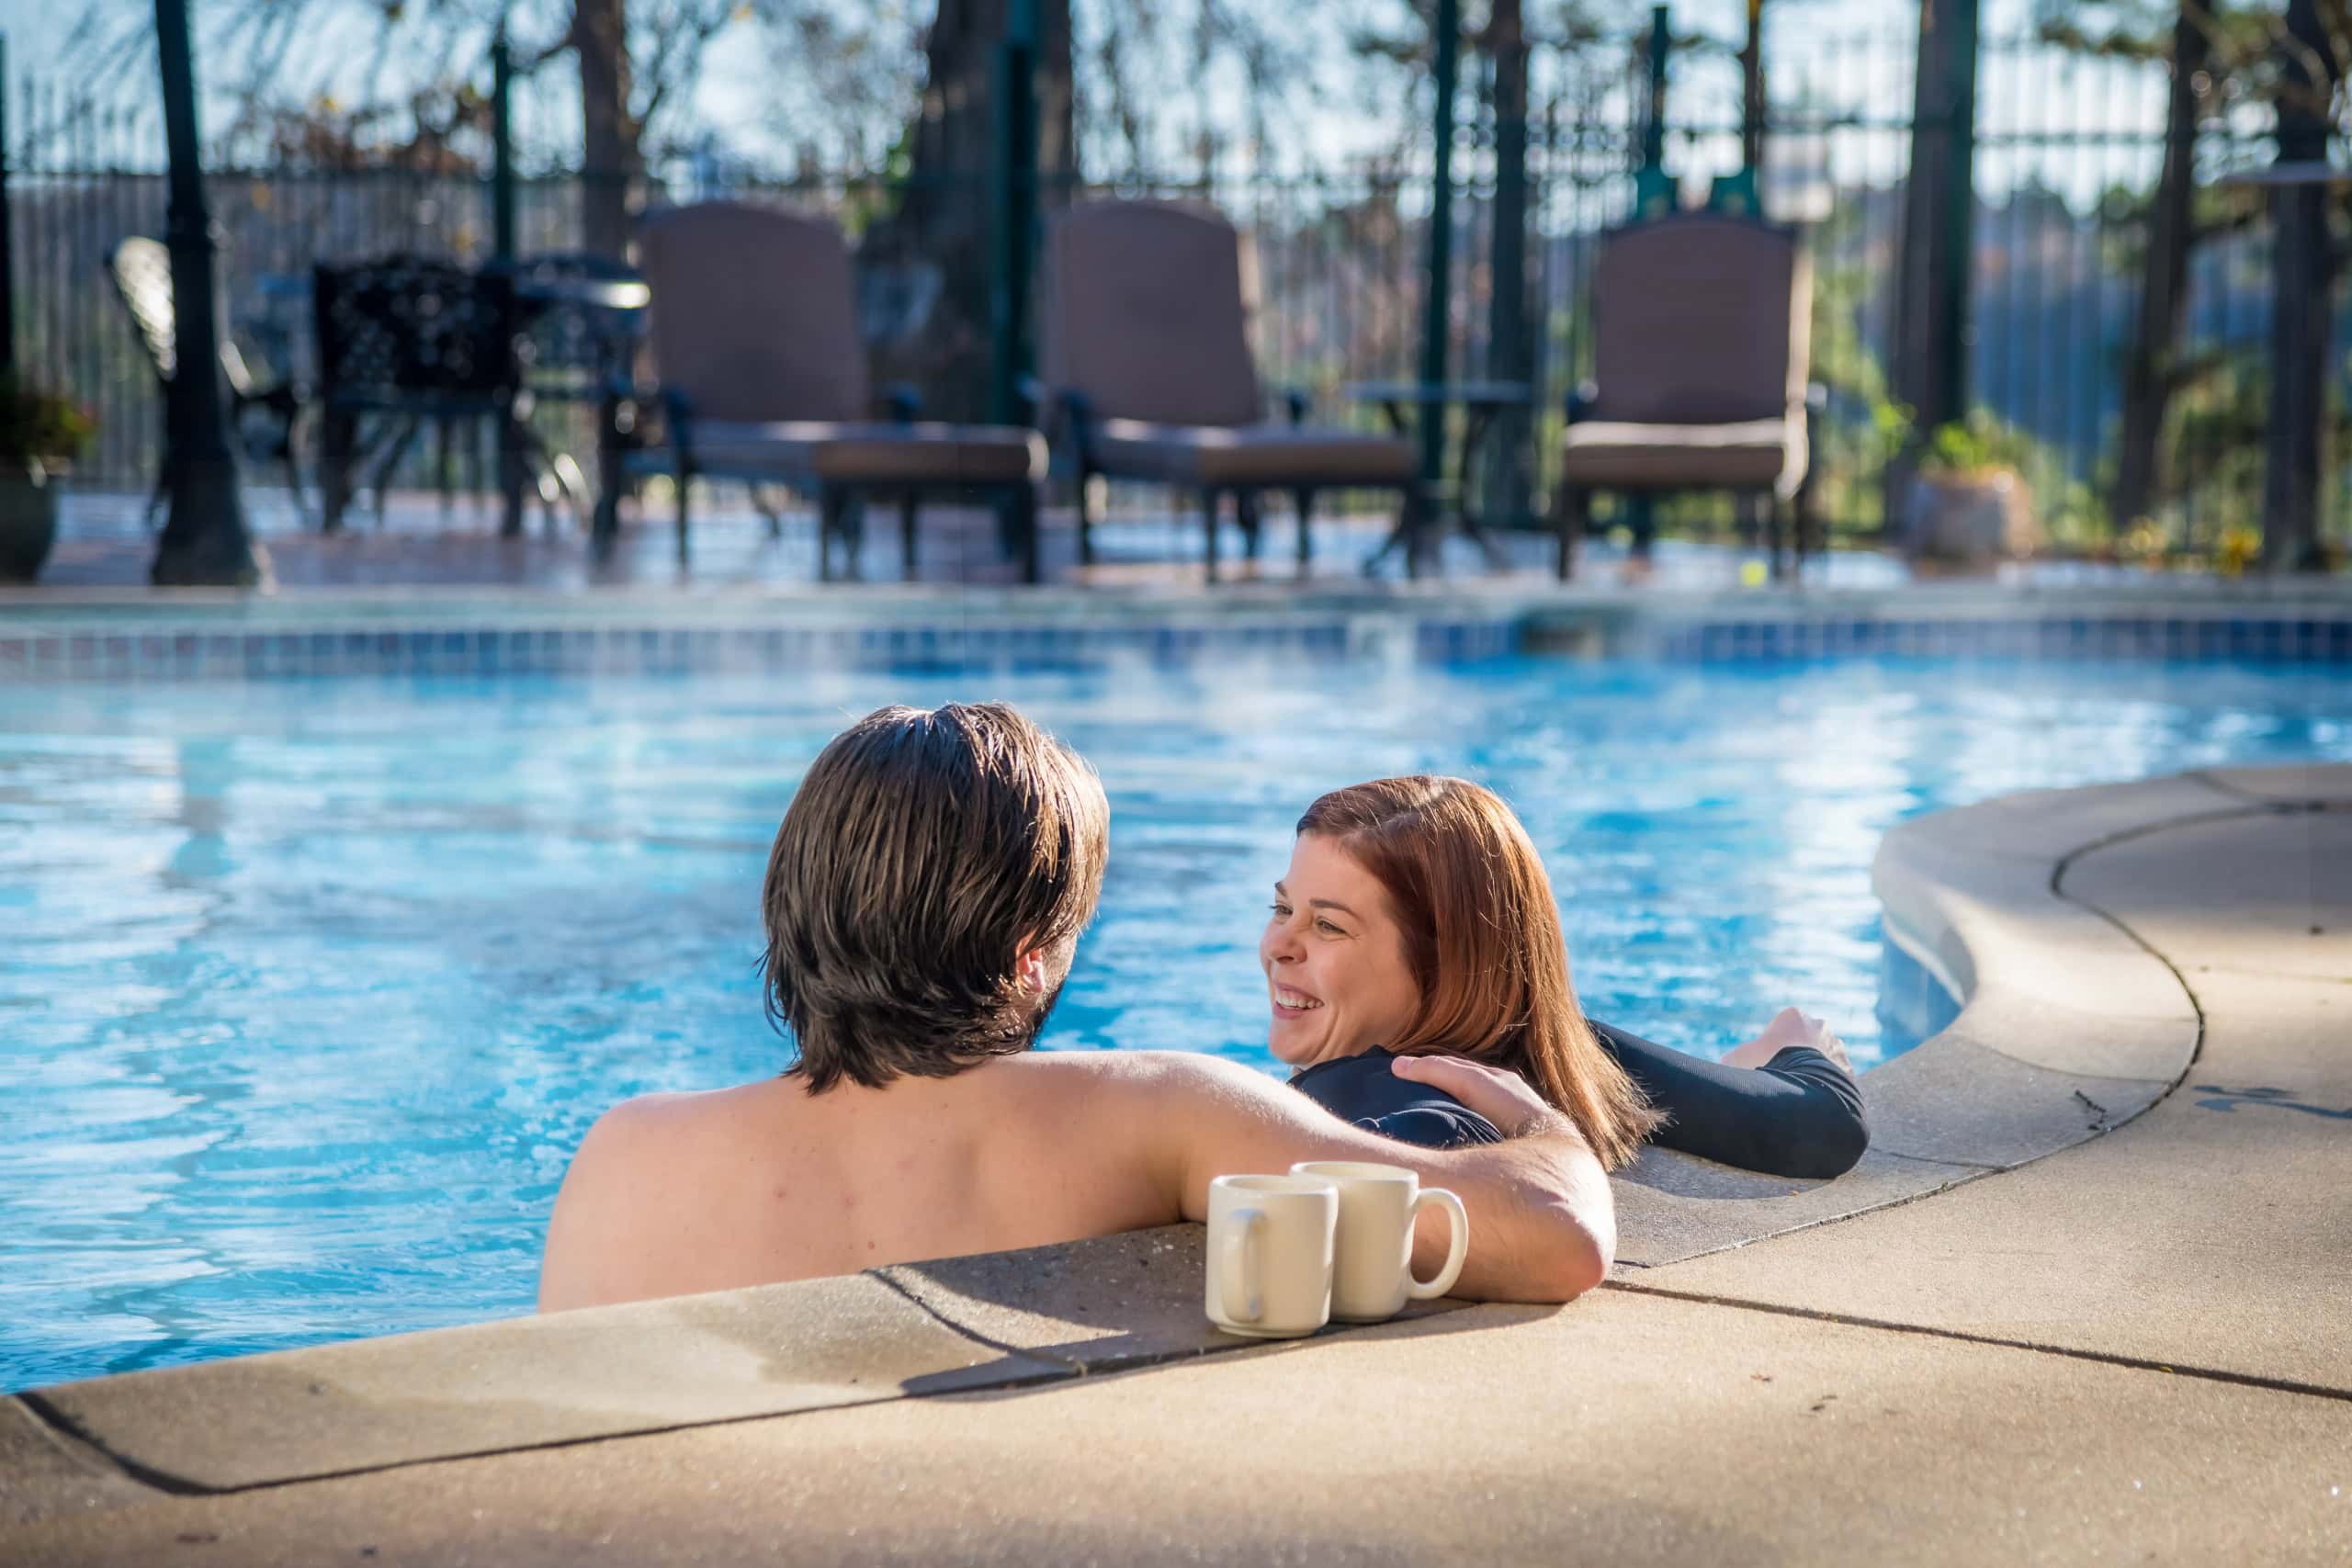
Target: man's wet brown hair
[923,854]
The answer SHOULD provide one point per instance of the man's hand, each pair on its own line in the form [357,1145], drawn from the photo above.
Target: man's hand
[1497,1094]
[1790,1027]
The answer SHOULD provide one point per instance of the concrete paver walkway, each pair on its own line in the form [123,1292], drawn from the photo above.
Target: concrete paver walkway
[2215,1231]
[2135,1348]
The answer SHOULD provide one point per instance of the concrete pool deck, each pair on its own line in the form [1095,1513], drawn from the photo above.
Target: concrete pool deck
[2118,1325]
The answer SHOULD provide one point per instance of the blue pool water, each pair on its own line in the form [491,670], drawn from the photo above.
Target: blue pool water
[309,988]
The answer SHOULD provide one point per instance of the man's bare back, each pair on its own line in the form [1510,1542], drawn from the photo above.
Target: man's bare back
[673,1194]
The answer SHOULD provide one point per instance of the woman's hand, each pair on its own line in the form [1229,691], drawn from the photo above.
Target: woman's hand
[1789,1027]
[1497,1094]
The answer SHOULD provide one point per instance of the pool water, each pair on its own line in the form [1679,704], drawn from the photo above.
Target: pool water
[310,988]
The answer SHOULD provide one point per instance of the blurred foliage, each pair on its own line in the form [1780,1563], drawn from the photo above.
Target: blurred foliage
[37,424]
[1974,448]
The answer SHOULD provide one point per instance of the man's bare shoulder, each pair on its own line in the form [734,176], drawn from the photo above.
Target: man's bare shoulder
[1187,1073]
[638,1133]
[683,1117]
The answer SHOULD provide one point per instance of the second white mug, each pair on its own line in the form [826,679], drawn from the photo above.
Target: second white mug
[1269,1254]
[1372,1277]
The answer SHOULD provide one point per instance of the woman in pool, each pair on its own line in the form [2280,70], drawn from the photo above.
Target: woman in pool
[1415,919]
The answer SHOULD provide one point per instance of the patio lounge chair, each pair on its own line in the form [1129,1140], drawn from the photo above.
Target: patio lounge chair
[761,379]
[1702,328]
[141,271]
[1149,375]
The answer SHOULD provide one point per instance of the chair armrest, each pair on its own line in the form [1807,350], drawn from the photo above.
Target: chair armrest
[1583,399]
[1033,392]
[905,402]
[284,398]
[1295,402]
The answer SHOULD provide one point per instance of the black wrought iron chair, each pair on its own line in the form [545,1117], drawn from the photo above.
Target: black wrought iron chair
[403,338]
[141,271]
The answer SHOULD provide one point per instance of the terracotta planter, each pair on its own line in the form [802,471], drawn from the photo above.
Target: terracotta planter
[1970,520]
[28,520]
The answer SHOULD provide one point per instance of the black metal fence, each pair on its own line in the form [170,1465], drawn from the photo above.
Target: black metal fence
[2068,148]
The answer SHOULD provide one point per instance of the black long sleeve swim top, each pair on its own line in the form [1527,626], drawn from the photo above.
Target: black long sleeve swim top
[1799,1115]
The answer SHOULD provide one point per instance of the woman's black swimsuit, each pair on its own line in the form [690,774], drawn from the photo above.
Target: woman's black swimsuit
[1799,1115]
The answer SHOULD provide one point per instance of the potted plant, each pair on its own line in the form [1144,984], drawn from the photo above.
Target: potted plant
[1969,506]
[40,435]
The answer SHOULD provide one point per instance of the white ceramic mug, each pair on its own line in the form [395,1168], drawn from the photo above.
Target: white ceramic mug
[1378,1207]
[1269,1254]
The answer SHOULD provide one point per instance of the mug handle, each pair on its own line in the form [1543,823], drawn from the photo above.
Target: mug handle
[1454,1254]
[1237,1269]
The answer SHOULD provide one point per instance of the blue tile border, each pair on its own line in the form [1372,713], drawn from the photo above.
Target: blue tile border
[628,648]
[2286,638]
[635,647]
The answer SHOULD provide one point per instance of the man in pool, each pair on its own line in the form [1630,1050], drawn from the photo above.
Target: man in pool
[923,900]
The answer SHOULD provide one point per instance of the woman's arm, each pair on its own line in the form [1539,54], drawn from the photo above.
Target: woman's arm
[1798,1115]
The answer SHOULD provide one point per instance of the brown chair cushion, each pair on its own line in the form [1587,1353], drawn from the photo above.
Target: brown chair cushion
[1751,454]
[874,454]
[1251,455]
[1700,319]
[755,316]
[1147,313]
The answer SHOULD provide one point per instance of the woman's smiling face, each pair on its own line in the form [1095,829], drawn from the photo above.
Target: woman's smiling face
[1336,975]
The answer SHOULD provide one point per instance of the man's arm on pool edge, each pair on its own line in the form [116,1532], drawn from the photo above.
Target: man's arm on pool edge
[1542,1224]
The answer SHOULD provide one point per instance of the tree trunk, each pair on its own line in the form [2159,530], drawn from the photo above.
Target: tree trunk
[608,132]
[2303,269]
[1930,358]
[931,259]
[2149,373]
[1508,350]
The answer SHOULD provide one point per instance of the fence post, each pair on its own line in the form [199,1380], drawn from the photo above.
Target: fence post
[7,257]
[1654,194]
[1437,298]
[502,148]
[1939,226]
[1751,95]
[204,540]
[1506,347]
[1015,211]
[2302,272]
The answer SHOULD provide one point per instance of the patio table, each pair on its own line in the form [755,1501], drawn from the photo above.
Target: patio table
[579,323]
[1480,401]
[596,293]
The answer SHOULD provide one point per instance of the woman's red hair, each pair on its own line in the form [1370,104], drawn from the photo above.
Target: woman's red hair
[1483,937]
